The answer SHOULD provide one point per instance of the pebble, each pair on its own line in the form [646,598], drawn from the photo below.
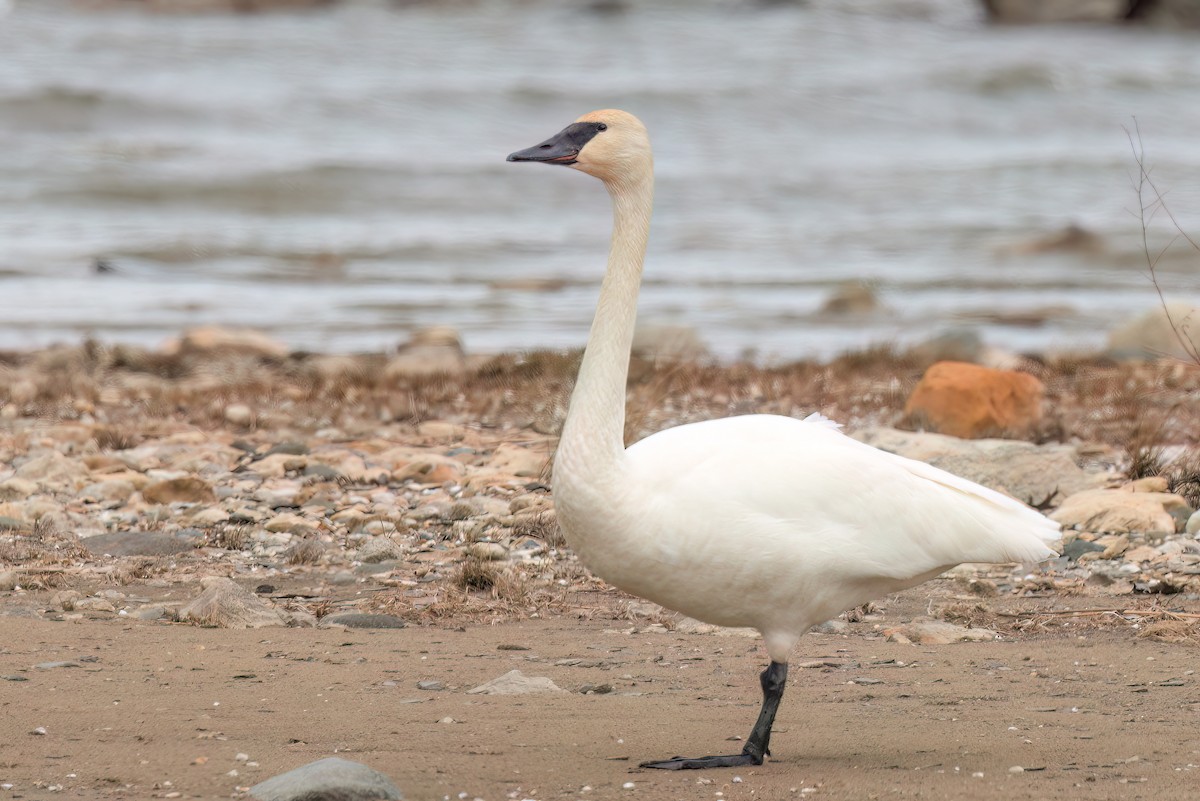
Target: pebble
[430,684]
[8,581]
[239,414]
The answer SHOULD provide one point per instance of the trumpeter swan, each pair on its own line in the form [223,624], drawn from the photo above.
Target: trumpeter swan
[761,521]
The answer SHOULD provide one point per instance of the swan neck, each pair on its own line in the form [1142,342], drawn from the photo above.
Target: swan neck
[593,437]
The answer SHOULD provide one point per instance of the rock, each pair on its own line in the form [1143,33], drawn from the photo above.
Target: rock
[52,470]
[1073,238]
[1053,11]
[225,604]
[378,549]
[1148,484]
[361,620]
[668,343]
[1118,511]
[1028,472]
[524,462]
[431,685]
[291,523]
[94,605]
[851,297]
[239,414]
[925,631]
[515,682]
[16,489]
[954,345]
[139,543]
[114,489]
[65,599]
[331,779]
[1077,548]
[970,401]
[8,581]
[207,340]
[188,489]
[1193,524]
[430,351]
[488,551]
[10,523]
[1156,333]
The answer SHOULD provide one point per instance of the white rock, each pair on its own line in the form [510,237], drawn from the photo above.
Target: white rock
[515,682]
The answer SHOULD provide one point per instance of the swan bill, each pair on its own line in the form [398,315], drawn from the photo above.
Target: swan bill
[563,147]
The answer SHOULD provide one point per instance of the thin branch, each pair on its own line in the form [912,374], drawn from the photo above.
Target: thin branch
[1146,214]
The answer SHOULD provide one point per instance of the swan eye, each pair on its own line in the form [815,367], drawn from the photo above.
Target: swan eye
[601,127]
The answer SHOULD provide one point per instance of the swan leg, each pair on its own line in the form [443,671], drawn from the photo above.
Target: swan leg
[773,680]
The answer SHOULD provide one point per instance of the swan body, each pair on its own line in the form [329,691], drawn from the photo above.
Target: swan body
[762,521]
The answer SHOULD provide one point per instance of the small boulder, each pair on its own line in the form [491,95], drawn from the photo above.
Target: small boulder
[1033,474]
[330,778]
[225,604]
[216,339]
[430,351]
[378,549]
[514,682]
[1119,511]
[969,401]
[925,631]
[1157,333]
[523,462]
[188,489]
[851,297]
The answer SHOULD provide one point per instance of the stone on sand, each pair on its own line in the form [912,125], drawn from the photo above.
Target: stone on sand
[1119,511]
[331,778]
[361,620]
[225,604]
[514,682]
[925,631]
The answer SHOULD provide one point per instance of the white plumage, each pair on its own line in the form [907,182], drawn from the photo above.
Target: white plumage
[761,521]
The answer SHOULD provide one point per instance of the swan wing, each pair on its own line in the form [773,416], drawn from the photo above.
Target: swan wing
[806,492]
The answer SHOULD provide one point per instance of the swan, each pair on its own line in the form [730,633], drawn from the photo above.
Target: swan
[760,521]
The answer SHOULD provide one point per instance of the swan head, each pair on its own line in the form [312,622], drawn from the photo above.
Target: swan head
[611,145]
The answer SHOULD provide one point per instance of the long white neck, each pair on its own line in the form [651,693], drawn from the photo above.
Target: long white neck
[593,438]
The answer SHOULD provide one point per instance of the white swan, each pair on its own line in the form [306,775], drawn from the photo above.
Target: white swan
[762,521]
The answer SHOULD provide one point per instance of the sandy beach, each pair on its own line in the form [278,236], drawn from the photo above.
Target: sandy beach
[323,488]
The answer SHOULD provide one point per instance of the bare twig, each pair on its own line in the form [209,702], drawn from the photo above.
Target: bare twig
[1147,209]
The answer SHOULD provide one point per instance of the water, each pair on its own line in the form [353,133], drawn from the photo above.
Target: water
[338,177]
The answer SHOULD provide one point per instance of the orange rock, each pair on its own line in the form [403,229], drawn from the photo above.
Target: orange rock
[969,401]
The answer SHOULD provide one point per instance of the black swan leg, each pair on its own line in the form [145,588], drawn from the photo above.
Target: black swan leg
[773,680]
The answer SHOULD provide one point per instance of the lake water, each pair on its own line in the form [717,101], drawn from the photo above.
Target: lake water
[338,177]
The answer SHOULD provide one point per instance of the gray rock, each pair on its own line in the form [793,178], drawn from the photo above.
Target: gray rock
[151,612]
[361,620]
[1077,548]
[138,543]
[113,489]
[13,524]
[53,665]
[1031,473]
[1154,334]
[430,685]
[329,779]
[65,599]
[378,549]
[514,682]
[224,604]
[8,581]
[1193,524]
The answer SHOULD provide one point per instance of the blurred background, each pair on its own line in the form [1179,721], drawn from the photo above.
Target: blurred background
[335,175]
